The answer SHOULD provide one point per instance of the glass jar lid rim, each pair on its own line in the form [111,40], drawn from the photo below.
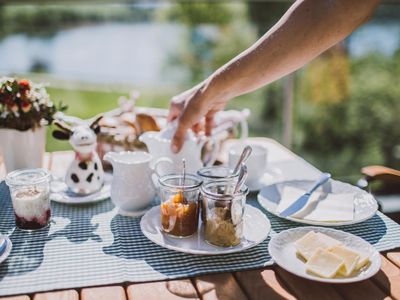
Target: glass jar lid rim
[242,192]
[201,172]
[27,177]
[164,178]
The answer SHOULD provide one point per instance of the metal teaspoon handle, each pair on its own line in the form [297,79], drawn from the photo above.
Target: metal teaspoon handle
[241,179]
[243,157]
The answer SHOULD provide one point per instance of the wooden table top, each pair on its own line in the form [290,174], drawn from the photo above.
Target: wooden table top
[267,283]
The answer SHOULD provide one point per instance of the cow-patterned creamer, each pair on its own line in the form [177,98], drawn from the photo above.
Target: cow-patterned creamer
[85,175]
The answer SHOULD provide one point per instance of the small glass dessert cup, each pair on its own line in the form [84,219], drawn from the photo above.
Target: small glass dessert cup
[223,213]
[180,204]
[30,190]
[217,173]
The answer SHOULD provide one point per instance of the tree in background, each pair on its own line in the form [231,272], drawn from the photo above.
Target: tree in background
[360,129]
[327,78]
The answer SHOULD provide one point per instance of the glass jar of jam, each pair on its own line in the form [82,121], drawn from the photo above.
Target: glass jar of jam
[179,204]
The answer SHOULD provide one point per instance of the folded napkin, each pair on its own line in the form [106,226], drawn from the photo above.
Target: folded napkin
[322,207]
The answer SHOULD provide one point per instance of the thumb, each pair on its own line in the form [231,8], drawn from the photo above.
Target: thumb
[189,117]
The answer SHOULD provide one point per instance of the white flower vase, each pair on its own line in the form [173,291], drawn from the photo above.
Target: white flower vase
[22,149]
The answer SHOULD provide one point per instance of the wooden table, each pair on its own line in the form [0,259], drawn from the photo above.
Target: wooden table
[268,283]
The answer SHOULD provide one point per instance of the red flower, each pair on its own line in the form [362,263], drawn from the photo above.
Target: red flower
[24,84]
[26,106]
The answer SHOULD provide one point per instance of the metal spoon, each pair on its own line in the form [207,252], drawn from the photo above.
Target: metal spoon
[242,178]
[183,172]
[239,184]
[183,180]
[243,158]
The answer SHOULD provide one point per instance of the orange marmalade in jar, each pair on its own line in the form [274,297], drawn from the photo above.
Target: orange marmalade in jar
[179,204]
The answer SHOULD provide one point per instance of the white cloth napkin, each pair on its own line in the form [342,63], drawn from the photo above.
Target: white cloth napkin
[322,207]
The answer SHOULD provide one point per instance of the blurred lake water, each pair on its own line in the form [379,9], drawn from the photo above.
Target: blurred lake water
[138,52]
[111,53]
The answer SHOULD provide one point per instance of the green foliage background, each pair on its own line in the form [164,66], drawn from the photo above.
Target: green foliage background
[346,119]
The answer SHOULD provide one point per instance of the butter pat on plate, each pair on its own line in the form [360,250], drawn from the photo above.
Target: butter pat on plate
[350,259]
[363,260]
[324,263]
[307,245]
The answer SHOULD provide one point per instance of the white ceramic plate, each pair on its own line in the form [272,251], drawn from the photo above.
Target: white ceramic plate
[256,229]
[283,252]
[7,251]
[365,205]
[59,192]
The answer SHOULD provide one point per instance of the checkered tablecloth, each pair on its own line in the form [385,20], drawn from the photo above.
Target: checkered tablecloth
[89,245]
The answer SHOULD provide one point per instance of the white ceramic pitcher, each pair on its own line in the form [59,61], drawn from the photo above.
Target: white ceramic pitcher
[159,145]
[132,187]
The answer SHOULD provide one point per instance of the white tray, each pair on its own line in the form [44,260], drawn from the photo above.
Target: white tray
[256,230]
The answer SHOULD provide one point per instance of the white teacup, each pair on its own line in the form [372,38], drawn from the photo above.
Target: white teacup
[133,188]
[256,163]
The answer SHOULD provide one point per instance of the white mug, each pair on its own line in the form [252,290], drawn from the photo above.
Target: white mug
[132,188]
[256,163]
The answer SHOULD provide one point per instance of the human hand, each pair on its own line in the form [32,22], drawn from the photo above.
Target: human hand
[191,108]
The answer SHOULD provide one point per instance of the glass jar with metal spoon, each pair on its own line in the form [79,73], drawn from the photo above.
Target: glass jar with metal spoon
[216,173]
[223,225]
[180,203]
[222,173]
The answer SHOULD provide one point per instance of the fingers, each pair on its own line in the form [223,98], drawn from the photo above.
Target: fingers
[175,109]
[197,128]
[179,138]
[210,123]
[177,104]
[191,115]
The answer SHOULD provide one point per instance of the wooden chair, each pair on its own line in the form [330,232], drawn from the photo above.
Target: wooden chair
[384,183]
[390,178]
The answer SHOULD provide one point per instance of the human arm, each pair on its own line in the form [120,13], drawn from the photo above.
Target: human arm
[307,29]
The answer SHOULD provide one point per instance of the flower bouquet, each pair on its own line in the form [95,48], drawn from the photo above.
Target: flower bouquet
[25,110]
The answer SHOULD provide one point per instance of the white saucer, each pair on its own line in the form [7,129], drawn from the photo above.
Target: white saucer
[59,192]
[283,252]
[7,251]
[365,205]
[256,229]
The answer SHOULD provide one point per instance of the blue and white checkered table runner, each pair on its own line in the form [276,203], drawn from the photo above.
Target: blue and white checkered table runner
[89,245]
